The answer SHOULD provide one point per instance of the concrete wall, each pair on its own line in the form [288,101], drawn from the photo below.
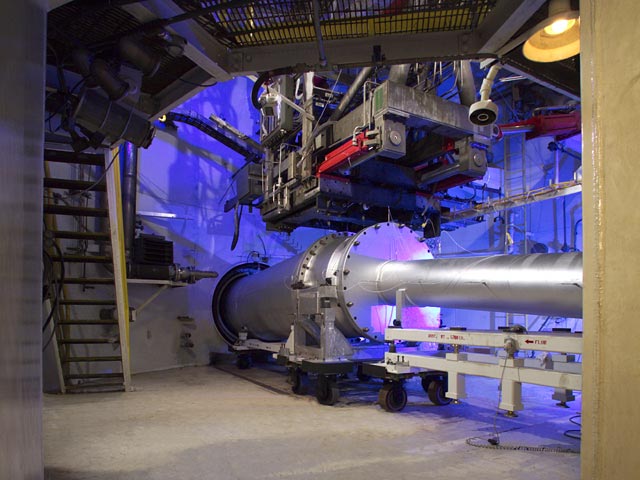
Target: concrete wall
[22,27]
[611,100]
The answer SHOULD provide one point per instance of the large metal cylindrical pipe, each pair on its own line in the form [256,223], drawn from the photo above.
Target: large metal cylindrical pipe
[542,284]
[262,303]
[367,269]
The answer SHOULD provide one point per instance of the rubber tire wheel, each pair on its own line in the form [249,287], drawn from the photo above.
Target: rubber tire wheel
[327,391]
[426,381]
[298,381]
[243,362]
[436,393]
[392,397]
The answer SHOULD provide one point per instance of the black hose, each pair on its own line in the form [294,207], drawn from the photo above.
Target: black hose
[263,77]
[58,294]
[56,299]
[237,216]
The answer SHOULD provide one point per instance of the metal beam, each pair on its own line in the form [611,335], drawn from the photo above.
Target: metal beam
[396,48]
[536,341]
[202,48]
[504,21]
[555,76]
[178,92]
[533,196]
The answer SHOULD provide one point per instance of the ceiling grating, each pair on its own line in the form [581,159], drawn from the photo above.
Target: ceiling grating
[277,22]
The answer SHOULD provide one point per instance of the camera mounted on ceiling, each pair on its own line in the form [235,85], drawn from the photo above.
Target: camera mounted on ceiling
[484,111]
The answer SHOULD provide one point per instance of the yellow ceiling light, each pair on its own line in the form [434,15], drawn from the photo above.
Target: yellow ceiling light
[557,37]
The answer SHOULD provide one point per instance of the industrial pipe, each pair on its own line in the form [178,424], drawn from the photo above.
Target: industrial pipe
[129,159]
[111,83]
[99,114]
[399,73]
[353,89]
[466,84]
[133,51]
[368,269]
[542,284]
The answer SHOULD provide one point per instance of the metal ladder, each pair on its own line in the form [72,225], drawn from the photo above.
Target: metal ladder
[516,182]
[84,250]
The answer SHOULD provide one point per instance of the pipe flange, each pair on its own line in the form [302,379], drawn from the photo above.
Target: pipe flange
[357,271]
[307,274]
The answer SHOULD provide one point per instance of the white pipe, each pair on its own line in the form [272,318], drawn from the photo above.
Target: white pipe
[487,83]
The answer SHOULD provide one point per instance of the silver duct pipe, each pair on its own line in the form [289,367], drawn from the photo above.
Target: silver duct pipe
[99,114]
[129,159]
[368,268]
[466,84]
[400,73]
[353,89]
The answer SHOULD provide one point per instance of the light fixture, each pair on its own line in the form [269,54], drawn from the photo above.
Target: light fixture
[557,37]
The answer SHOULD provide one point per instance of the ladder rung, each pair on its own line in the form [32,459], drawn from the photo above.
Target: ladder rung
[114,387]
[73,157]
[82,258]
[83,376]
[88,281]
[91,359]
[87,341]
[79,301]
[81,235]
[79,211]
[88,322]
[68,184]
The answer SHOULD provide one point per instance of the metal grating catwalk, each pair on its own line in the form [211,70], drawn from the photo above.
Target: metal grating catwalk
[273,22]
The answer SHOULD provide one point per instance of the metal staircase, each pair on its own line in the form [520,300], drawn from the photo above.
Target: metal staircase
[89,327]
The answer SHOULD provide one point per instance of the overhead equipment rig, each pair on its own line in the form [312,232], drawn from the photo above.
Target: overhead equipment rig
[347,160]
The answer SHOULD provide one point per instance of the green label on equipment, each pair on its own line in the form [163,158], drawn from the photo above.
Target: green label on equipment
[378,100]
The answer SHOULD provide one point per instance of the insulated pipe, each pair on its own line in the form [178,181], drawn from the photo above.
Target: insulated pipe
[99,114]
[129,159]
[368,268]
[353,89]
[111,83]
[133,51]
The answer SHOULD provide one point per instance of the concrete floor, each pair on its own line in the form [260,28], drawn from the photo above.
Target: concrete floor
[221,423]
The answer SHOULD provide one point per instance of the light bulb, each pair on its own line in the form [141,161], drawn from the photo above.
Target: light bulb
[559,26]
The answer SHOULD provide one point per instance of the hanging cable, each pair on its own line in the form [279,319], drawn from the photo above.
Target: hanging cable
[237,216]
[262,78]
[57,294]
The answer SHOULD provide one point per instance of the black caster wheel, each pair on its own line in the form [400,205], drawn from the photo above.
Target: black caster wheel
[243,362]
[436,392]
[298,381]
[427,379]
[327,391]
[392,397]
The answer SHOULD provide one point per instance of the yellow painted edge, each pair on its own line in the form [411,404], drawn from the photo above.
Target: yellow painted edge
[114,177]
